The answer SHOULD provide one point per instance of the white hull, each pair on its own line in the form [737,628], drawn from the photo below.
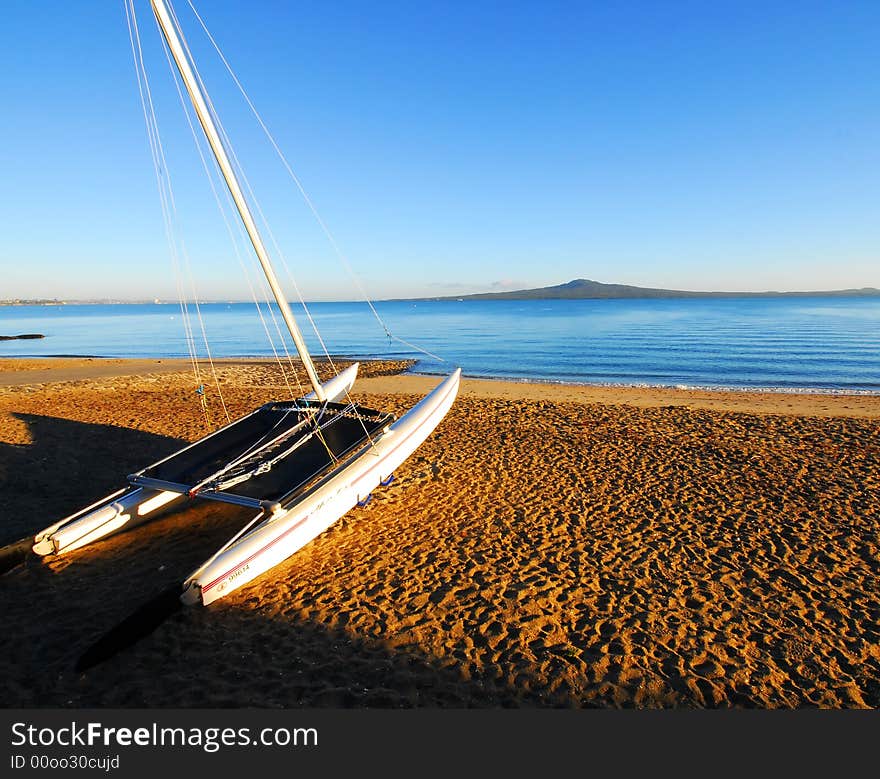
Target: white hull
[127,511]
[282,534]
[120,511]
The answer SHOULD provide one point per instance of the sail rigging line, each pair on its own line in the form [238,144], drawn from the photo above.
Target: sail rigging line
[232,237]
[189,276]
[239,169]
[261,443]
[256,203]
[326,230]
[164,187]
[173,35]
[240,173]
[265,222]
[279,252]
[166,194]
[155,145]
[230,152]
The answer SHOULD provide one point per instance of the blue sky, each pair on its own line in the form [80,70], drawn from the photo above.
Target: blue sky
[455,147]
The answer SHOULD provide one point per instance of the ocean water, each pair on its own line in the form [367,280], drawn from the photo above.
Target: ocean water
[811,344]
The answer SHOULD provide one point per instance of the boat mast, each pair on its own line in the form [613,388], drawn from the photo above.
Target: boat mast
[204,115]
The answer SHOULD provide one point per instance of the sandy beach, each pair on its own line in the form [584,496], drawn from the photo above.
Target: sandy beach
[548,546]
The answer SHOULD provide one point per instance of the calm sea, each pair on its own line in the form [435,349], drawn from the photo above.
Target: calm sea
[794,344]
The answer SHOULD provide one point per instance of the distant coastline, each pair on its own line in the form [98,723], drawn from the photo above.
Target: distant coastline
[576,289]
[96,302]
[587,289]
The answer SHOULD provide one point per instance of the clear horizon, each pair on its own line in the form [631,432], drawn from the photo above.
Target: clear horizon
[122,299]
[455,149]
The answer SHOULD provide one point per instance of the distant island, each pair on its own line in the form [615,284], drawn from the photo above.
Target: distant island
[582,289]
[576,289]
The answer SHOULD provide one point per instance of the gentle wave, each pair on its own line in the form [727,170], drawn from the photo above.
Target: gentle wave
[684,387]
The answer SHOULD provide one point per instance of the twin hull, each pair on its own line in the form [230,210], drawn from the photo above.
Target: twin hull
[288,529]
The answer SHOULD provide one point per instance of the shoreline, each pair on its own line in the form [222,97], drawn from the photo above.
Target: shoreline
[650,386]
[21,372]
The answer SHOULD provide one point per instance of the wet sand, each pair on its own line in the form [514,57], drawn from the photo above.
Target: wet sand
[548,546]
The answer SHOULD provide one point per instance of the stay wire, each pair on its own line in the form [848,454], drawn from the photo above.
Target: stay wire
[229,229]
[166,195]
[188,267]
[326,230]
[224,139]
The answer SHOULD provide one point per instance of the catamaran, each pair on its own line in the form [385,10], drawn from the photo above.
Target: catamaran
[299,463]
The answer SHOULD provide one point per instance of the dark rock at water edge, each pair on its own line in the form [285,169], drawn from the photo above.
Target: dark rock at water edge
[23,335]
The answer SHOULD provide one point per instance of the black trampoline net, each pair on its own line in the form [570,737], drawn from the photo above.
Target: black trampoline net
[270,454]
